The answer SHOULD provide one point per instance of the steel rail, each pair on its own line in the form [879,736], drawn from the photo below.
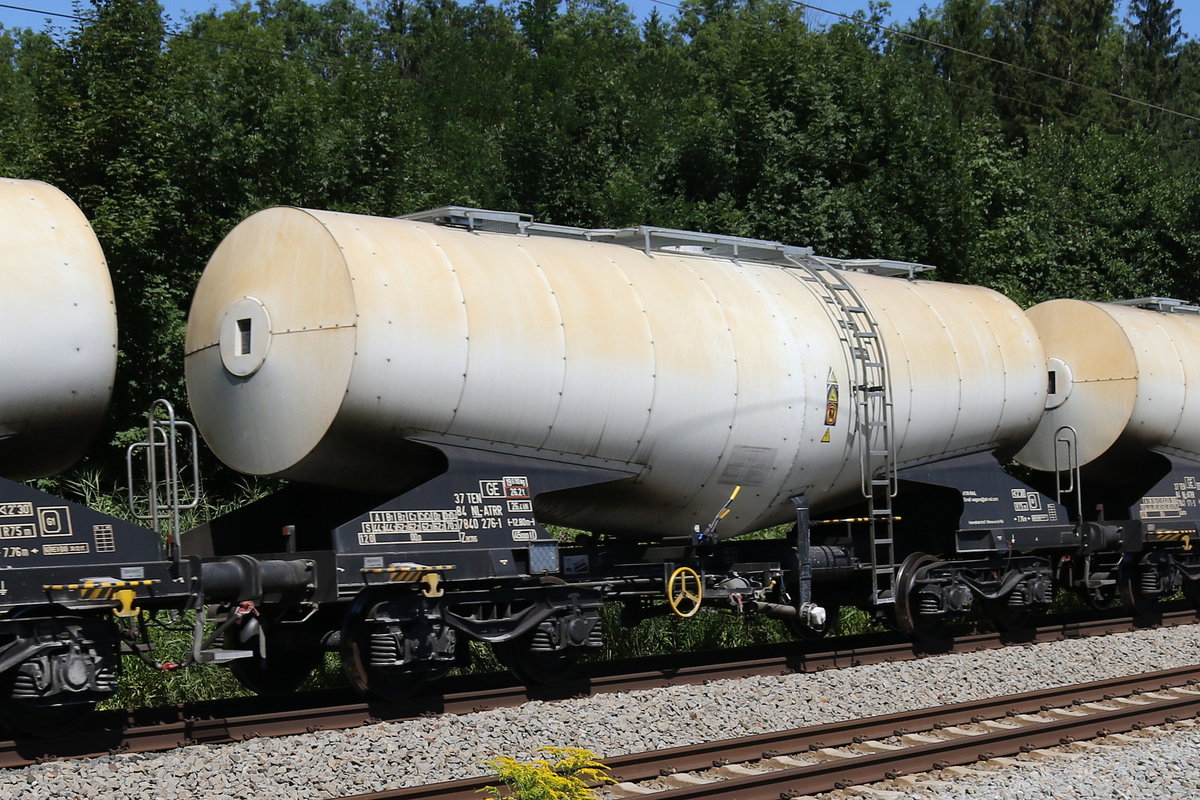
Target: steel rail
[873,767]
[150,730]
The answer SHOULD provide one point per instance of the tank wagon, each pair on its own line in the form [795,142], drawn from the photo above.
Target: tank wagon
[441,387]
[77,585]
[70,577]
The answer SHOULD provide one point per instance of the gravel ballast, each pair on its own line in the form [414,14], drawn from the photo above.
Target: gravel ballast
[1164,766]
[387,755]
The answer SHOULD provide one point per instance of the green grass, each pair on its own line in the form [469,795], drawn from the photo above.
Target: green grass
[142,685]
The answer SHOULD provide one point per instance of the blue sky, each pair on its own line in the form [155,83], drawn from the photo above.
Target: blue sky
[179,10]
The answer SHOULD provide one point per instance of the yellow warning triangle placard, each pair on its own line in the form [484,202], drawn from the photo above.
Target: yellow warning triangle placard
[825,438]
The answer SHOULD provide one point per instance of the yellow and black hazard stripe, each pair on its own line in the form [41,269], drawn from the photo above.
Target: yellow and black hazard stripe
[96,590]
[122,593]
[1185,537]
[846,521]
[430,577]
[406,574]
[1170,536]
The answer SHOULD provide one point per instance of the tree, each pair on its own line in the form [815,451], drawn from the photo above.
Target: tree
[1066,51]
[1151,59]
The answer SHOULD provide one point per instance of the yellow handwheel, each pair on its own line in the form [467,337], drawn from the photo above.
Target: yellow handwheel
[685,591]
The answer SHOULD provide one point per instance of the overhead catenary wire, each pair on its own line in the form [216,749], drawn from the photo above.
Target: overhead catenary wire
[167,33]
[860,20]
[992,59]
[950,81]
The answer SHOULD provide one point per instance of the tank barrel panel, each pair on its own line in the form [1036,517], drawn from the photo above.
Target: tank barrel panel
[966,366]
[58,331]
[698,373]
[1125,379]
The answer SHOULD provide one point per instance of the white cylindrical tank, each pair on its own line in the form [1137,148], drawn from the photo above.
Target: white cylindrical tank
[58,331]
[1122,377]
[317,341]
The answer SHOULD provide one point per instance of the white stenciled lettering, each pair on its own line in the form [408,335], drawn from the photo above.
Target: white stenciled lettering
[405,522]
[25,530]
[69,549]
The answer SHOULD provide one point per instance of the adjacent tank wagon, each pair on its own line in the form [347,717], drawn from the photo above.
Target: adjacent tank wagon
[58,331]
[76,584]
[70,577]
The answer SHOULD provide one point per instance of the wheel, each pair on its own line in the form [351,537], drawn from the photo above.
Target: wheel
[1104,597]
[1013,618]
[1138,582]
[1023,606]
[283,671]
[1100,598]
[389,657]
[536,667]
[85,666]
[1191,590]
[908,617]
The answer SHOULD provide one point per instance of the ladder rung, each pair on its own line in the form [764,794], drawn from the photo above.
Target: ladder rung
[881,512]
[880,452]
[883,570]
[872,365]
[866,335]
[839,287]
[876,423]
[881,481]
[879,542]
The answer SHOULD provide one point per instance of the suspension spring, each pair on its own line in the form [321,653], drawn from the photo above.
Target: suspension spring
[1148,582]
[928,604]
[384,649]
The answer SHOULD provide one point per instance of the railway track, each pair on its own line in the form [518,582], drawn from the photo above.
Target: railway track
[806,761]
[150,730]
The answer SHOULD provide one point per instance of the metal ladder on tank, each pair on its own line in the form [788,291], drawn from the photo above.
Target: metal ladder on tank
[869,383]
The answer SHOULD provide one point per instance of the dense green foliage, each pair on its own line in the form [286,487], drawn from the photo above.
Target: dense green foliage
[949,141]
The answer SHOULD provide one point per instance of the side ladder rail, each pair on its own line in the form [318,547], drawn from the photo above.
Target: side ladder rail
[868,357]
[167,494]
